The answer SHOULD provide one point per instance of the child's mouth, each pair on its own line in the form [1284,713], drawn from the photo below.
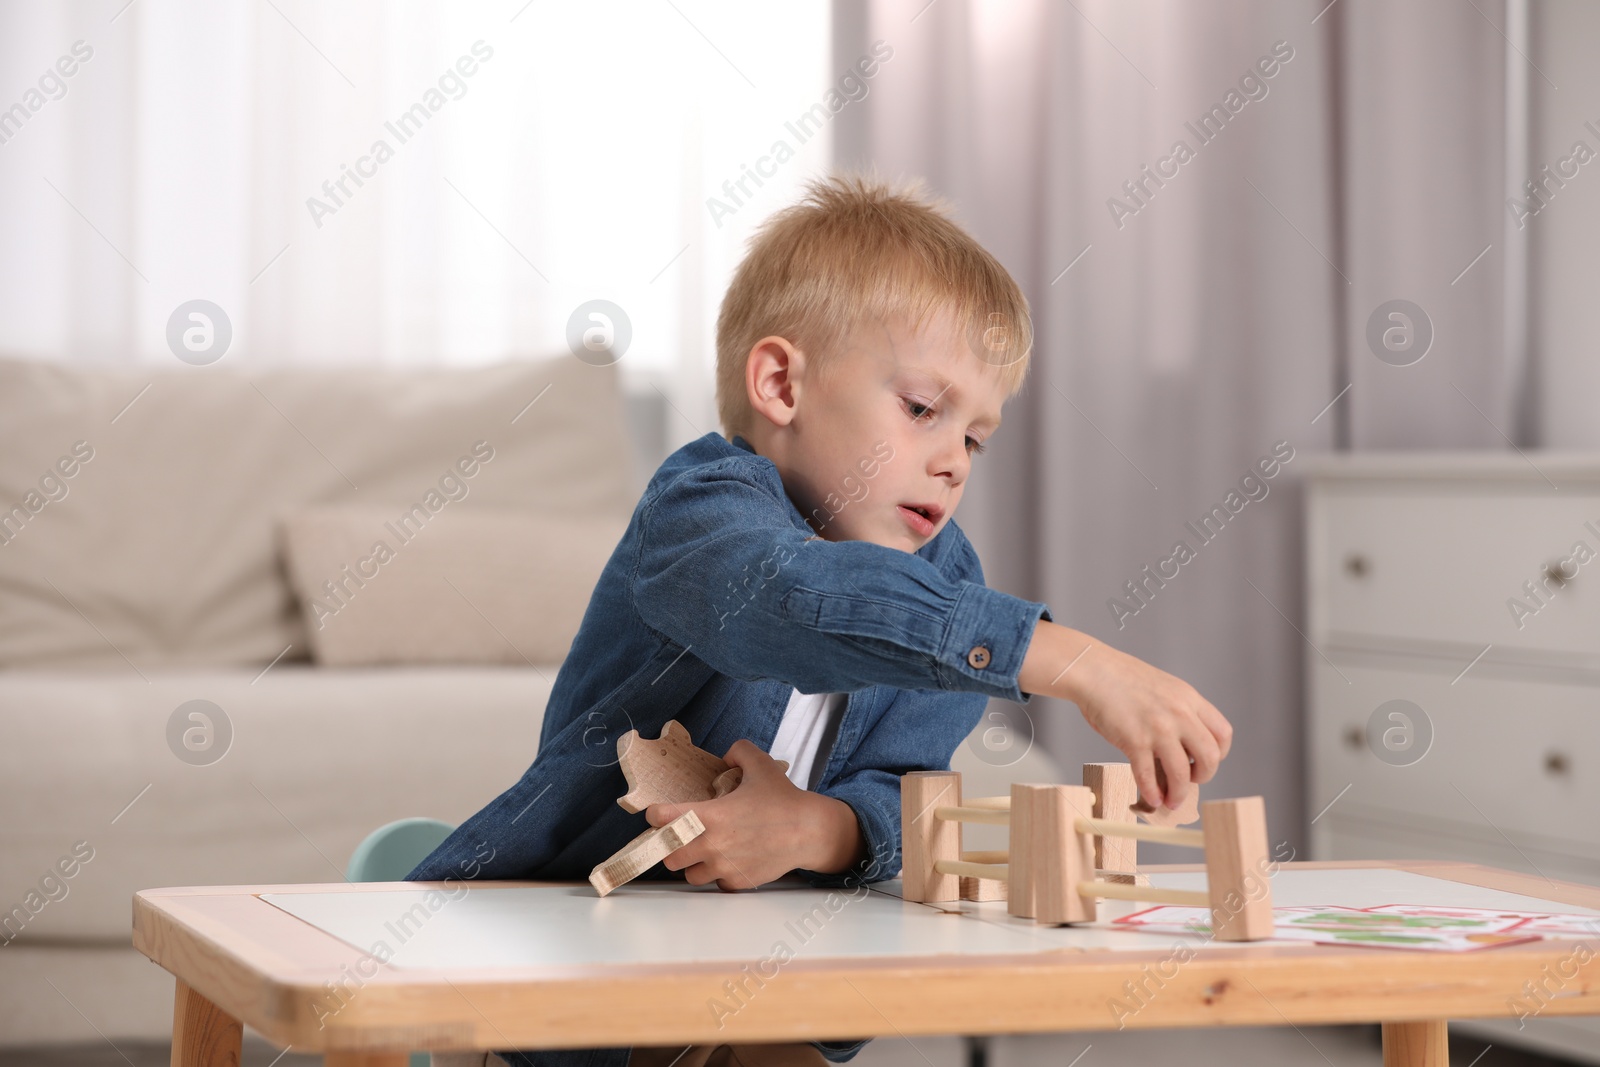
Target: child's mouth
[916,520]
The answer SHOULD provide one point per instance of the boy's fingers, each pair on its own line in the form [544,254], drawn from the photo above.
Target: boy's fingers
[684,858]
[1144,775]
[1206,755]
[703,873]
[742,752]
[1219,726]
[1175,762]
[661,814]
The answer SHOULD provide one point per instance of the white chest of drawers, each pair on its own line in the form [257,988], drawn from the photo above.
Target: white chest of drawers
[1467,584]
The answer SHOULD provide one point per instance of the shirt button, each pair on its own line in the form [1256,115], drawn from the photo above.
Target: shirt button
[978,657]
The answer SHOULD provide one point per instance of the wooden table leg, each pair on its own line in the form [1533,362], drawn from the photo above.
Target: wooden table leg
[1424,1044]
[365,1059]
[203,1035]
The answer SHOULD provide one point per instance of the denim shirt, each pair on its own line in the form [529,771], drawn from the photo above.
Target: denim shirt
[719,600]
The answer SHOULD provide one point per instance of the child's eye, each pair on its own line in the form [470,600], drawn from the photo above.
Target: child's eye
[974,446]
[916,410]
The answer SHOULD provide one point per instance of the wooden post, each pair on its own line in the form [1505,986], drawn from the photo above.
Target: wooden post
[1421,1044]
[1062,857]
[1237,875]
[982,889]
[1021,884]
[203,1035]
[1115,793]
[924,840]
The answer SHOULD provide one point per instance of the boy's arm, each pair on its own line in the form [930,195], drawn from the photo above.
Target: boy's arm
[1147,713]
[723,570]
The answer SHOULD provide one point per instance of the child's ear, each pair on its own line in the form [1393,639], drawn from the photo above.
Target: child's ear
[773,377]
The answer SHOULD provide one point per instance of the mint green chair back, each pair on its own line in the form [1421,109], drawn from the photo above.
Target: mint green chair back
[390,853]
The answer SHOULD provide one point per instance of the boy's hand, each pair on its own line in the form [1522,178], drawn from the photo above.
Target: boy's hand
[763,829]
[1147,713]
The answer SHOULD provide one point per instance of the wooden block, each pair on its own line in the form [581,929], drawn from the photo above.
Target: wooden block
[1062,857]
[1115,793]
[1122,877]
[645,851]
[203,1035]
[1019,853]
[1237,878]
[1418,1044]
[982,889]
[924,839]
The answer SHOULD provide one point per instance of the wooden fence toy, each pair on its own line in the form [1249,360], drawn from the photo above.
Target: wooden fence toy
[1070,846]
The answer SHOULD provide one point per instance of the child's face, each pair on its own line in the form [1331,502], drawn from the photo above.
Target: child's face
[893,423]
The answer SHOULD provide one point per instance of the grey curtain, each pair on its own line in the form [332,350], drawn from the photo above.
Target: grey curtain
[1197,306]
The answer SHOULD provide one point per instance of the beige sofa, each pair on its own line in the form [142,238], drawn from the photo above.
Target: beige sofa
[147,569]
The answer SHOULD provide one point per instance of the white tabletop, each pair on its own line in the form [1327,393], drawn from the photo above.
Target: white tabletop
[668,922]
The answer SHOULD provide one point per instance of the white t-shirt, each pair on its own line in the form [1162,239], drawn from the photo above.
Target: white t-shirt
[805,736]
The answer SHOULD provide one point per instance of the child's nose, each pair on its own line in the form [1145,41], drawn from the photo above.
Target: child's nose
[952,463]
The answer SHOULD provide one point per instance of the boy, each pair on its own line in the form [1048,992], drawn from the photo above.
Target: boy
[798,590]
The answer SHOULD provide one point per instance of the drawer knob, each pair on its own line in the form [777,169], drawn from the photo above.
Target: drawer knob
[1556,763]
[1355,737]
[1356,565]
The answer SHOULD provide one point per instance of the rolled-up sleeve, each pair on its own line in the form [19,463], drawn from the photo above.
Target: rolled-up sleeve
[874,796]
[723,570]
[918,731]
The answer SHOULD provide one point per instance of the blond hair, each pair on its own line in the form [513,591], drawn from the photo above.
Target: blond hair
[852,250]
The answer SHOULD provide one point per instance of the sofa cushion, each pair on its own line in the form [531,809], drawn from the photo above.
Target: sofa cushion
[138,507]
[280,786]
[444,586]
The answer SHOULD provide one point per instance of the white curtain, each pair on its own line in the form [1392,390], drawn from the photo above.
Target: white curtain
[537,156]
[1213,314]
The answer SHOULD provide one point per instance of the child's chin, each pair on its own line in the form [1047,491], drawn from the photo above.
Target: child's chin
[906,542]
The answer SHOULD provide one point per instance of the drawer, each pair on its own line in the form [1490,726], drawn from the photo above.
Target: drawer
[1508,756]
[1435,562]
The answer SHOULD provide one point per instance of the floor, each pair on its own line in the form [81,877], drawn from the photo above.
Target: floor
[1341,1046]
